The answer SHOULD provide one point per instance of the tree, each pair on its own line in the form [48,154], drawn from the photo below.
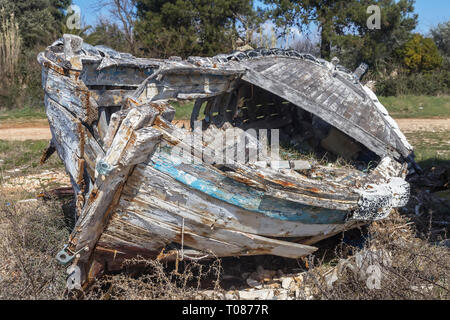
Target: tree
[420,54]
[377,47]
[39,20]
[124,14]
[305,45]
[441,36]
[109,34]
[330,16]
[343,26]
[189,27]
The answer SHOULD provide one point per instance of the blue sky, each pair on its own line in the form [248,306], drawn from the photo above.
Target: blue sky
[431,12]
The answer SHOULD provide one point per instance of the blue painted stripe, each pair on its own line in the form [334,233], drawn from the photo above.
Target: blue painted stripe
[242,195]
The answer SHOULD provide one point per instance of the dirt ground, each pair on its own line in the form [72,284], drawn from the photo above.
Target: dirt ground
[21,131]
[39,130]
[413,125]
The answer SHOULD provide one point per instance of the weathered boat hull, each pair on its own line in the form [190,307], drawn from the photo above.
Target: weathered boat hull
[137,195]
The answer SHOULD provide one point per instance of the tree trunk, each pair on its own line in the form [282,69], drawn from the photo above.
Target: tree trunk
[325,43]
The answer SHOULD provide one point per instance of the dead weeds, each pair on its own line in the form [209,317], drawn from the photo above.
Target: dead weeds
[30,236]
[393,264]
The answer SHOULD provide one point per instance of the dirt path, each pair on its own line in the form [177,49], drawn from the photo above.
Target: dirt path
[25,130]
[39,130]
[414,125]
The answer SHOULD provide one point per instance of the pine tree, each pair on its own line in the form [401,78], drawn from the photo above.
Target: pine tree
[189,27]
[343,27]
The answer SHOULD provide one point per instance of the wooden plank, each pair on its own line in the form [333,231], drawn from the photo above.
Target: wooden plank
[132,138]
[160,189]
[307,208]
[115,76]
[293,186]
[317,80]
[92,152]
[354,130]
[71,94]
[219,242]
[68,136]
[111,98]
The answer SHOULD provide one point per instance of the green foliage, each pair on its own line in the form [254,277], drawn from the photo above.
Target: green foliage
[343,27]
[189,27]
[420,54]
[375,47]
[441,36]
[39,20]
[434,83]
[40,23]
[108,34]
[330,16]
[22,114]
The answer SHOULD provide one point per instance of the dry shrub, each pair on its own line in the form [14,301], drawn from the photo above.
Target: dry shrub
[393,264]
[10,45]
[144,279]
[30,236]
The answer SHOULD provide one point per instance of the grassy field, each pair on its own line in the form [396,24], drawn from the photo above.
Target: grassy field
[430,148]
[417,106]
[22,114]
[25,156]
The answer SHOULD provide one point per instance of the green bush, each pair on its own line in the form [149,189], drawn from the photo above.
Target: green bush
[25,91]
[435,83]
[420,54]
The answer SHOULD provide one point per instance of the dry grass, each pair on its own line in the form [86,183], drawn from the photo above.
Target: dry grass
[408,267]
[30,236]
[10,44]
[152,280]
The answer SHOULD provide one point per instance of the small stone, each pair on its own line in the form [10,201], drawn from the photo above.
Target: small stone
[301,165]
[27,201]
[254,283]
[261,164]
[287,283]
[277,165]
[264,294]
[273,285]
[298,279]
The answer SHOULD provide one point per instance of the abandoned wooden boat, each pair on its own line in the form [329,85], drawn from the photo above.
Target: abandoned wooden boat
[147,187]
